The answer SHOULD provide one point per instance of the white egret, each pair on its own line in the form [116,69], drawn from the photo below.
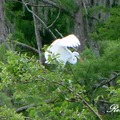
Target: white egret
[59,50]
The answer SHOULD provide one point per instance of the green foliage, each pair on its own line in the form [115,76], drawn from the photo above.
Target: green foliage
[26,82]
[64,24]
[18,36]
[9,114]
[108,30]
[2,52]
[54,94]
[68,5]
[94,68]
[22,21]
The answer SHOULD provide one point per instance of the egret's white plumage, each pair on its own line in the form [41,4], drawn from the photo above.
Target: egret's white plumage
[59,49]
[69,41]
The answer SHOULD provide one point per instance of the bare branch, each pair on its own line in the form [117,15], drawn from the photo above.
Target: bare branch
[24,108]
[50,3]
[104,82]
[25,46]
[37,34]
[39,19]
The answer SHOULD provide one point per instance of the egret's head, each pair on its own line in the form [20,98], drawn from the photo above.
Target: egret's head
[76,54]
[73,58]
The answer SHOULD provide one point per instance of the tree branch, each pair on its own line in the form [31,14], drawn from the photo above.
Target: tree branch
[96,86]
[37,34]
[25,46]
[24,108]
[59,33]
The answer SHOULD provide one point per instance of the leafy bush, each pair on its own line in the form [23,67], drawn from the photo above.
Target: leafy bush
[59,93]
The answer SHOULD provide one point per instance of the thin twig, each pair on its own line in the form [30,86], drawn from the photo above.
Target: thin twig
[54,20]
[70,90]
[59,33]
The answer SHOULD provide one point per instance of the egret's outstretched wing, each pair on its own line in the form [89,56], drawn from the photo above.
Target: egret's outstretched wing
[63,54]
[51,49]
[54,46]
[69,41]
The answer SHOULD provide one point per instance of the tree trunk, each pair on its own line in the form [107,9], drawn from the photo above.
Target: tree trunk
[37,33]
[79,27]
[2,23]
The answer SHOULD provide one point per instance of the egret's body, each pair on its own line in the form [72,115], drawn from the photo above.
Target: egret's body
[59,50]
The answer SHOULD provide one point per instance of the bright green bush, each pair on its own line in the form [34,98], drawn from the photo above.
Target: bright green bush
[53,93]
[56,93]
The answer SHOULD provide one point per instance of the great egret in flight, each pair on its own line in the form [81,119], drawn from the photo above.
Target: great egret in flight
[59,50]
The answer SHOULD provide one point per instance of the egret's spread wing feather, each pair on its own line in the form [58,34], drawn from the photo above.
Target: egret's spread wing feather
[63,54]
[54,46]
[69,41]
[56,42]
[51,49]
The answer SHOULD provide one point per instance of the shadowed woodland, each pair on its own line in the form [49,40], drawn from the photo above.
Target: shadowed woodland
[30,89]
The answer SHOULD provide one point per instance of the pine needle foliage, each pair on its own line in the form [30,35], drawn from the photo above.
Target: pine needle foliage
[108,30]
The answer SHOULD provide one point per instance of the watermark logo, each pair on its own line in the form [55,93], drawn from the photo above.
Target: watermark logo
[114,108]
